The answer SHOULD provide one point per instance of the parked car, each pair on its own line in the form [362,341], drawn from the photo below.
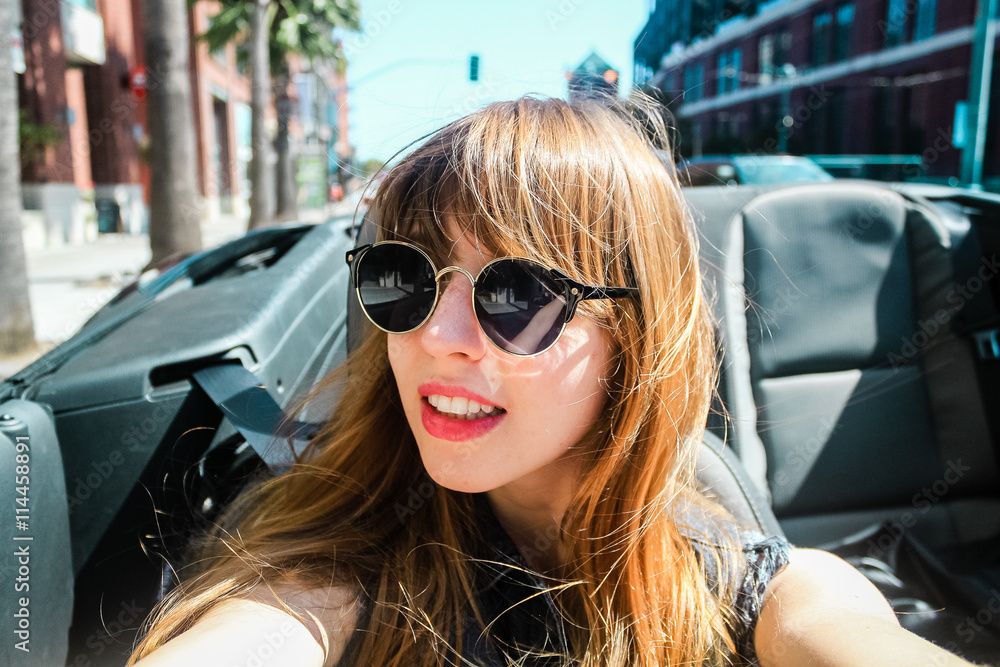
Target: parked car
[860,372]
[750,170]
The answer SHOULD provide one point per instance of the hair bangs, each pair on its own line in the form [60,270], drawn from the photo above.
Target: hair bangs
[523,179]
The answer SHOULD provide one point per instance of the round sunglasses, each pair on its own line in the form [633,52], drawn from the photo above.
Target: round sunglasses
[522,306]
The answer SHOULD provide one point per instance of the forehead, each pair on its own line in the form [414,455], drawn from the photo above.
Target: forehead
[463,244]
[449,240]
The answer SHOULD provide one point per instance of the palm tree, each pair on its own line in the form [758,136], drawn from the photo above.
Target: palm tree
[174,215]
[261,176]
[17,331]
[295,27]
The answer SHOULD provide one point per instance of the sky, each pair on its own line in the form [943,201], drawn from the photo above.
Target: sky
[408,67]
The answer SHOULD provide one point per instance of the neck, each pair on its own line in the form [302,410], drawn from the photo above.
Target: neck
[532,515]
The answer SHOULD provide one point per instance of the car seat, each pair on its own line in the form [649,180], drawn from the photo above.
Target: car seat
[853,401]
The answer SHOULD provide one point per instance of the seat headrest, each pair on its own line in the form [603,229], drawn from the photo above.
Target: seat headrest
[826,271]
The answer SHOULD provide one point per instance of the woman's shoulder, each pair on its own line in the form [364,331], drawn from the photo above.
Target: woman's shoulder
[329,613]
[301,627]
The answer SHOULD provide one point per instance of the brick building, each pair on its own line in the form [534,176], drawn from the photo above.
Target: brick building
[816,76]
[82,87]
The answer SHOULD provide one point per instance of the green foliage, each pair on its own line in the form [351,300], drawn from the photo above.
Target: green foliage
[300,27]
[371,167]
[35,138]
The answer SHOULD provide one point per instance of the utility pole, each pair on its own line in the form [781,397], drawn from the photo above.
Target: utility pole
[980,77]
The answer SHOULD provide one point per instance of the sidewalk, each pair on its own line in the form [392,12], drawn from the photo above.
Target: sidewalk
[69,284]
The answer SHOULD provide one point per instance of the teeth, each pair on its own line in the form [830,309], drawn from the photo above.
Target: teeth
[459,407]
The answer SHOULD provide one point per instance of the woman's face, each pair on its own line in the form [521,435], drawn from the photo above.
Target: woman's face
[542,405]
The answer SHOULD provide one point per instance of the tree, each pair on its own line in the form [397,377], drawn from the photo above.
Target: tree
[17,331]
[294,27]
[260,168]
[174,213]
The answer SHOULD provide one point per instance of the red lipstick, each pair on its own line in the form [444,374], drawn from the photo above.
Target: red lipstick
[453,429]
[456,430]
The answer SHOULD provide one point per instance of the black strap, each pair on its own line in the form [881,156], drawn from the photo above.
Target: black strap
[243,399]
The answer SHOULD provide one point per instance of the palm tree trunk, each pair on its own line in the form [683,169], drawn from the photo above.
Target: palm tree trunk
[17,332]
[174,211]
[288,208]
[261,175]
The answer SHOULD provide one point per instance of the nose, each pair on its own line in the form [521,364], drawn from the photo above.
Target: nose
[452,328]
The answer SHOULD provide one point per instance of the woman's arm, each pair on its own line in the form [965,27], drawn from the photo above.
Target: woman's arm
[820,611]
[260,633]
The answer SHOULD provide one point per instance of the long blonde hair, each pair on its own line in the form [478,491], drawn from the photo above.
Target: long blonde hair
[575,186]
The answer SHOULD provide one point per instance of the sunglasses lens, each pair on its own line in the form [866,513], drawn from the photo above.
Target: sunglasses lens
[520,306]
[396,286]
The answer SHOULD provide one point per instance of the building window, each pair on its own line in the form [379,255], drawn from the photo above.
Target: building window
[736,66]
[926,18]
[772,55]
[845,22]
[723,73]
[895,23]
[694,82]
[821,39]
[765,55]
[782,47]
[730,64]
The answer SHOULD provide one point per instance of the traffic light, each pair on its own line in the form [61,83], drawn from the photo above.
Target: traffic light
[473,68]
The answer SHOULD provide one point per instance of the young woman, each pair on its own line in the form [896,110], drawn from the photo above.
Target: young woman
[509,476]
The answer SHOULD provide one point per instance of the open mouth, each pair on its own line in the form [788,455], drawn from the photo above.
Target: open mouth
[460,408]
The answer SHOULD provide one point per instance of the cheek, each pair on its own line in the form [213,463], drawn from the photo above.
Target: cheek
[403,361]
[564,396]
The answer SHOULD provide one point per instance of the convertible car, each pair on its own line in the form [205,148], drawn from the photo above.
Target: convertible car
[858,406]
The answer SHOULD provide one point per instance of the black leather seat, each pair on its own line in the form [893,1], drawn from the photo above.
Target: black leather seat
[843,378]
[854,402]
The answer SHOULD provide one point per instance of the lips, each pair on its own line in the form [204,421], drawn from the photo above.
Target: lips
[454,427]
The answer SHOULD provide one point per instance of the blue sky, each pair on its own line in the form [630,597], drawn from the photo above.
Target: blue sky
[408,69]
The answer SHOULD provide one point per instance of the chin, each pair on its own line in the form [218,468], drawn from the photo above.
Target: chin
[461,477]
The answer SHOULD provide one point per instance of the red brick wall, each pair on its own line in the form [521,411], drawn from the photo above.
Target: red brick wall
[209,75]
[43,87]
[111,106]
